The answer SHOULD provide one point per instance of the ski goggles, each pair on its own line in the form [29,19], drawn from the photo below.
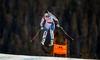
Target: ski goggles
[47,16]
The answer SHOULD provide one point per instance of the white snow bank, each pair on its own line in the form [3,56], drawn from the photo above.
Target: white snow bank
[22,57]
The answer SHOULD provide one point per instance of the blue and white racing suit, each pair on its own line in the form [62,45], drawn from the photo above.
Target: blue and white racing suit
[49,24]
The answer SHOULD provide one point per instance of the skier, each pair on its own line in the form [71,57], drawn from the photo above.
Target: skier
[49,24]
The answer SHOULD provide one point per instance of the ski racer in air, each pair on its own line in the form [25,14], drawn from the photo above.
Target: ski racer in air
[49,26]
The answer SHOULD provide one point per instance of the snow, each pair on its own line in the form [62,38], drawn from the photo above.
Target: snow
[23,57]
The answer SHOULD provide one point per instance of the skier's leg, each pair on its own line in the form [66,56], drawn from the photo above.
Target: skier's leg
[51,37]
[44,36]
[52,34]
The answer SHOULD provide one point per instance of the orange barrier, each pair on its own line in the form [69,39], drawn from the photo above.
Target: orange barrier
[60,49]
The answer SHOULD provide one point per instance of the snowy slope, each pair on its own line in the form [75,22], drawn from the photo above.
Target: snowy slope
[22,57]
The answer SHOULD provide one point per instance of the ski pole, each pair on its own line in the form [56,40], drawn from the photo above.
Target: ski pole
[35,35]
[66,33]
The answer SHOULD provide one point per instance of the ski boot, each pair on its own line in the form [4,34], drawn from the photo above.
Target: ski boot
[51,43]
[42,42]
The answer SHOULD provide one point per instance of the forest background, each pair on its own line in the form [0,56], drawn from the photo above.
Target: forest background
[20,20]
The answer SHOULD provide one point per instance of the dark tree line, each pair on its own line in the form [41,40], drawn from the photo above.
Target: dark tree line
[19,22]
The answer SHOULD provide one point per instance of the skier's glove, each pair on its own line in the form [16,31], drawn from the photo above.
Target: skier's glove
[42,28]
[58,25]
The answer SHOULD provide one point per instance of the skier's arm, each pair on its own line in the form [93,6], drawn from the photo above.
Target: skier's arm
[57,22]
[41,23]
[42,20]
